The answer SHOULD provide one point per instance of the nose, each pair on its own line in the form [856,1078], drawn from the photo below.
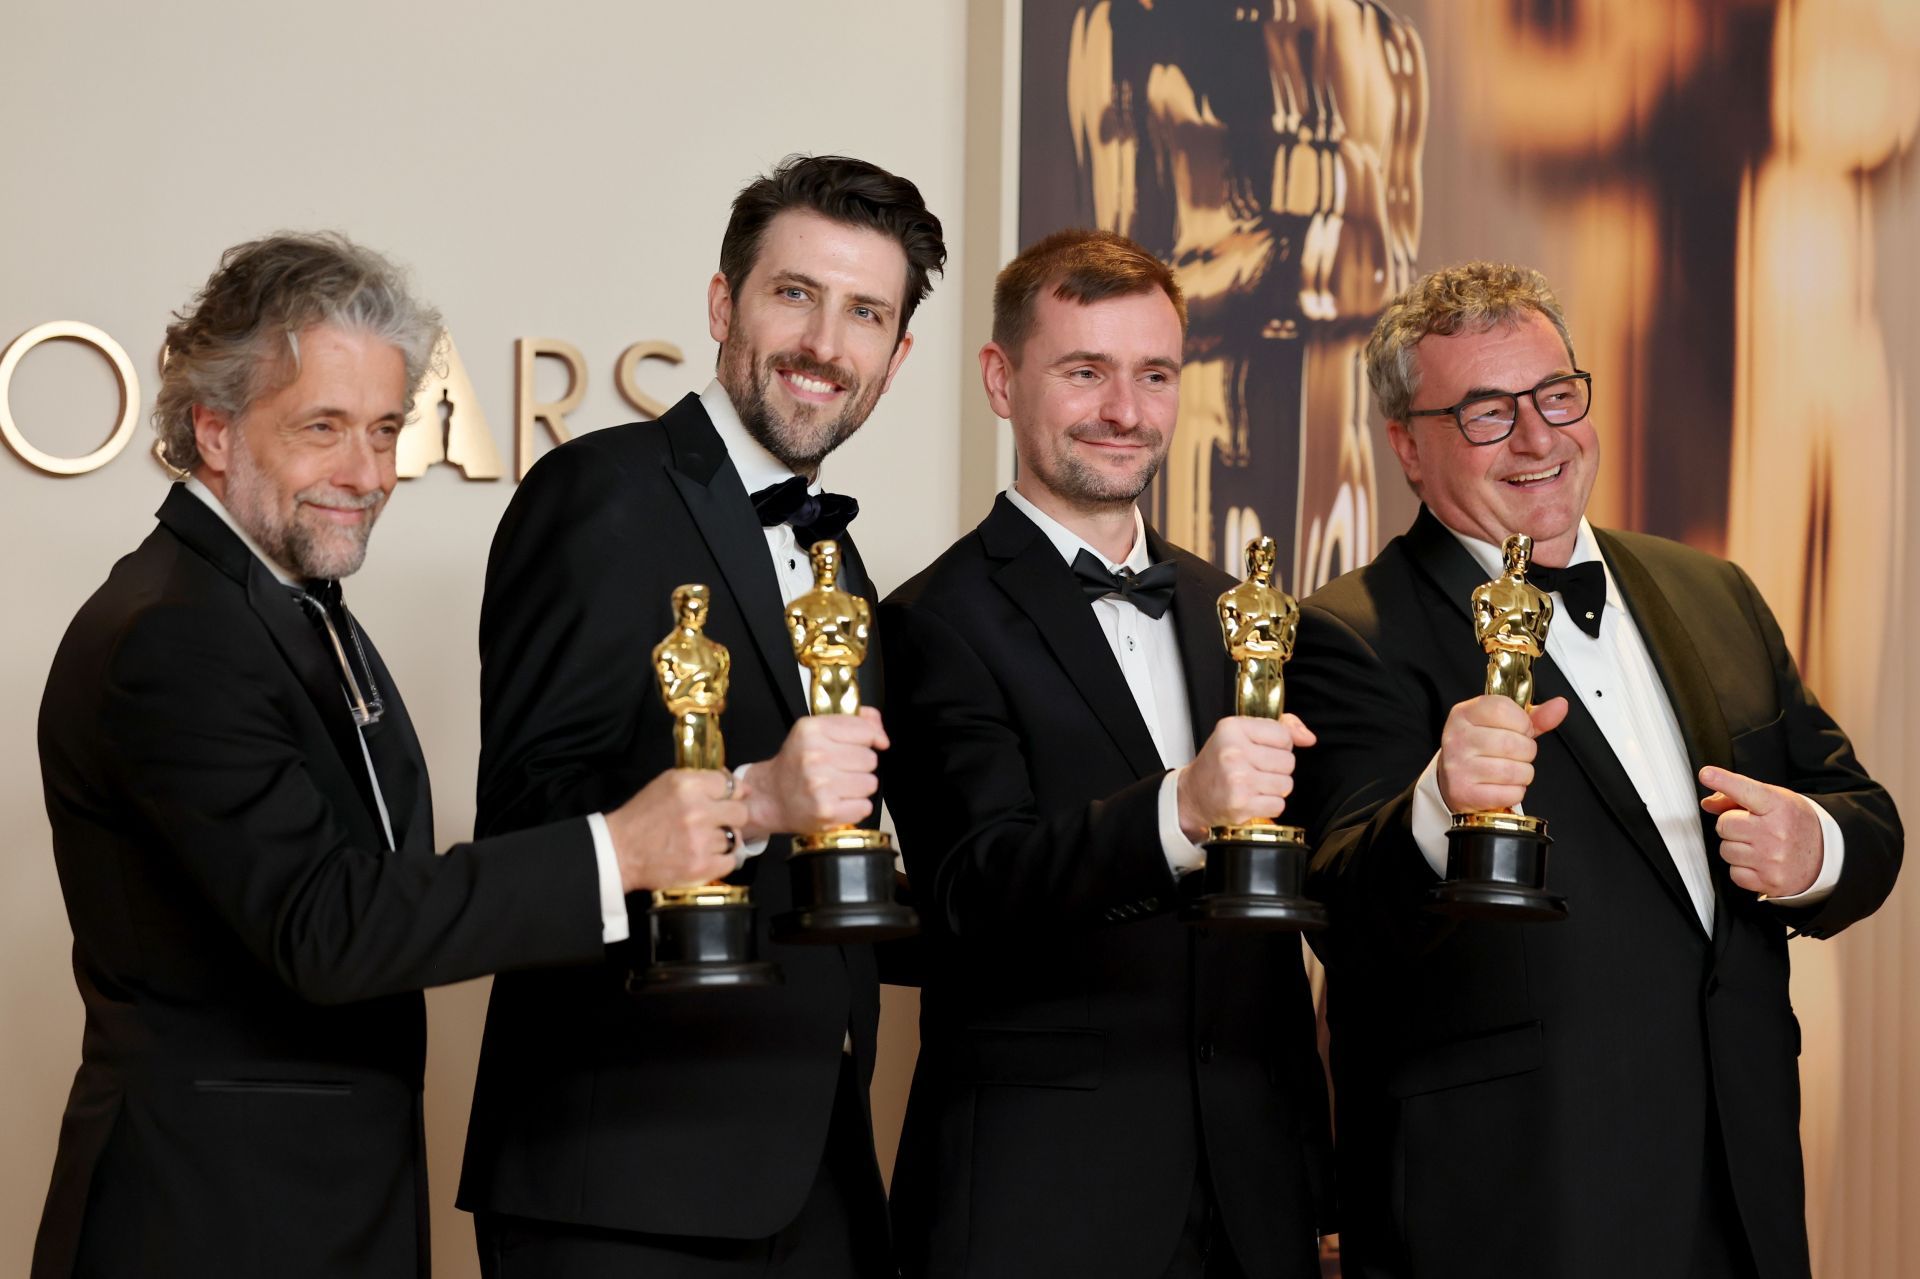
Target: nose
[360,466]
[1532,433]
[821,339]
[1121,404]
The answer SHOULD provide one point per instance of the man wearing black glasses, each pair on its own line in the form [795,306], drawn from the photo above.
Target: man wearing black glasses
[1616,1092]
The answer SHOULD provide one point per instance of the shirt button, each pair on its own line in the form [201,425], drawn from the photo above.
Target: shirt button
[1130,644]
[790,563]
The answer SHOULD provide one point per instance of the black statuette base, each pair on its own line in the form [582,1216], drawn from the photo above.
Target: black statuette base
[1497,870]
[703,947]
[844,895]
[1255,881]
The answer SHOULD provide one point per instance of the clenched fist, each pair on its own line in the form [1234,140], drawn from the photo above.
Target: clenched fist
[1487,748]
[1244,772]
[675,830]
[822,777]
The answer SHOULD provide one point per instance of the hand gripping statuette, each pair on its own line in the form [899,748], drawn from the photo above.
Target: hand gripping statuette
[1497,862]
[842,877]
[1255,873]
[702,934]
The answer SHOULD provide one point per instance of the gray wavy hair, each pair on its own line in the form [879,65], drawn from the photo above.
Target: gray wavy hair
[240,337]
[1469,297]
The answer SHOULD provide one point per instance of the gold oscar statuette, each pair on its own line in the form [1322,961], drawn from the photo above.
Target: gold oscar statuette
[843,888]
[1497,861]
[1255,872]
[702,934]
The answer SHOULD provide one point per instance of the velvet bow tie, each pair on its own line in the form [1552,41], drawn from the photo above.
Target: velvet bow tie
[815,517]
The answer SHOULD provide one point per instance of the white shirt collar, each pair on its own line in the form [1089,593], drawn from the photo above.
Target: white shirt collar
[1494,560]
[205,494]
[758,468]
[1070,543]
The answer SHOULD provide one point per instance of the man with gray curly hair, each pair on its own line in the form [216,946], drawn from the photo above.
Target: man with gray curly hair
[1612,1092]
[243,826]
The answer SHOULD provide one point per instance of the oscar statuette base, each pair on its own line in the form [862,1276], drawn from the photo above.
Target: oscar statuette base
[1497,870]
[702,939]
[843,891]
[1255,881]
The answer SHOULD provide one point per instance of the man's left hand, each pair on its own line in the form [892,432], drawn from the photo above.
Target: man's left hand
[1769,835]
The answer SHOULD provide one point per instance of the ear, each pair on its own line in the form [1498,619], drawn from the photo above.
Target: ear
[719,307]
[213,435]
[1405,449]
[900,350]
[996,371]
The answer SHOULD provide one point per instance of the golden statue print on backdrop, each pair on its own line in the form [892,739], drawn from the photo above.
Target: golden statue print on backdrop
[1271,155]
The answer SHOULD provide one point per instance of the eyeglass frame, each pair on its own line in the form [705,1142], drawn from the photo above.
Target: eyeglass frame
[1531,393]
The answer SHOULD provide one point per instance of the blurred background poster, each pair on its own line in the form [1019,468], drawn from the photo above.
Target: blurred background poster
[1722,192]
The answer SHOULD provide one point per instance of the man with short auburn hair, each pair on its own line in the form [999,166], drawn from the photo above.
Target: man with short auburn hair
[726,1132]
[1101,1090]
[1616,1092]
[243,826]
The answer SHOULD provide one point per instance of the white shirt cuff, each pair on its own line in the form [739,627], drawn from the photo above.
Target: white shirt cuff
[1430,818]
[1182,853]
[755,847]
[613,902]
[1833,851]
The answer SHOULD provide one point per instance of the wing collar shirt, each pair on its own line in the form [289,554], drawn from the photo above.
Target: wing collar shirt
[1147,650]
[1620,688]
[613,903]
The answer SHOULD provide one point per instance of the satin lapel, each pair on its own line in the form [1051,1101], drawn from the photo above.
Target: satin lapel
[1689,691]
[398,762]
[319,672]
[724,515]
[1442,558]
[854,576]
[1203,653]
[1040,583]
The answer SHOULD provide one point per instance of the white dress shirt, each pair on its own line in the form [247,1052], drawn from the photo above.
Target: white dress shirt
[1616,681]
[613,904]
[1147,650]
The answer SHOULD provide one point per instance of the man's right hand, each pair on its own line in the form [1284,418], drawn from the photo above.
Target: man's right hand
[1243,773]
[1486,752]
[674,832]
[822,777]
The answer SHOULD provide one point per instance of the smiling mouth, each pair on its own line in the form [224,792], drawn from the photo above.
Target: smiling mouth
[809,387]
[1534,479]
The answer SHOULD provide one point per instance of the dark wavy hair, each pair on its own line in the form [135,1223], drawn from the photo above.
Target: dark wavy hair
[841,189]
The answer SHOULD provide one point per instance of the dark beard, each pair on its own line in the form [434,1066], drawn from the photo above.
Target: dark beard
[802,454]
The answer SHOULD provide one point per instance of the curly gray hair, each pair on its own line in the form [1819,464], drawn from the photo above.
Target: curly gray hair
[240,338]
[1471,296]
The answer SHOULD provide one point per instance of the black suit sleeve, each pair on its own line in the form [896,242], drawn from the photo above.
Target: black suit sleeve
[1807,752]
[563,688]
[1353,790]
[979,852]
[224,781]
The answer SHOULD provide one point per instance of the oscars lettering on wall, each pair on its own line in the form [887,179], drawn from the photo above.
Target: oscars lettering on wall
[448,424]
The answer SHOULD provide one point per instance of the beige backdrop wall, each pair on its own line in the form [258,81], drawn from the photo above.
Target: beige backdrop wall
[560,170]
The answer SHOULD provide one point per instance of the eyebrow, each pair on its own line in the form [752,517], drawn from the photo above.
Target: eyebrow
[1101,357]
[305,415]
[1475,392]
[864,299]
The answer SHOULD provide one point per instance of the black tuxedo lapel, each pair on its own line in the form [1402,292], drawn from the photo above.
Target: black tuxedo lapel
[1037,580]
[853,576]
[709,484]
[286,621]
[1196,620]
[1689,691]
[1440,555]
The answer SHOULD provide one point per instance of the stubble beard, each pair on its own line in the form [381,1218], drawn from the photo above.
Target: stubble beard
[804,438]
[289,541]
[1092,489]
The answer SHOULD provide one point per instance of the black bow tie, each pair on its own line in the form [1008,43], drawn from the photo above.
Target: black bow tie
[1150,590]
[1582,586]
[815,516]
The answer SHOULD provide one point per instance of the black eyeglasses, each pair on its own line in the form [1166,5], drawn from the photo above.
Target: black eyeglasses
[1489,417]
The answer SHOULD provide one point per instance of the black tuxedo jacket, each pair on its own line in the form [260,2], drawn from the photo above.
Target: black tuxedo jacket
[1082,1052]
[1542,1099]
[248,950]
[693,1113]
